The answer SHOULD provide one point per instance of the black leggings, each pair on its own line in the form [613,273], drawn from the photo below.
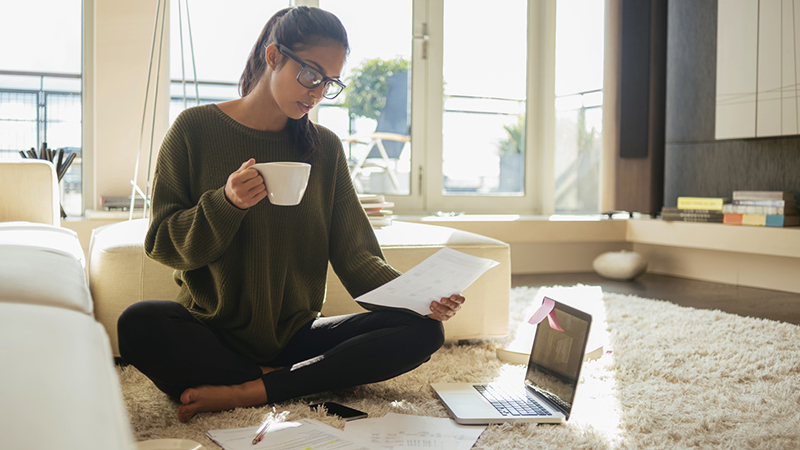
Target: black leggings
[178,351]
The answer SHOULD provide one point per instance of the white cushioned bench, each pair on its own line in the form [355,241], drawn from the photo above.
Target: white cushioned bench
[120,274]
[58,384]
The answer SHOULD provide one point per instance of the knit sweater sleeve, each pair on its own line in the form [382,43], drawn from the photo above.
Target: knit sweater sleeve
[187,232]
[355,253]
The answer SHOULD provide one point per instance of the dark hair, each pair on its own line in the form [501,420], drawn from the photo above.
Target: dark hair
[298,28]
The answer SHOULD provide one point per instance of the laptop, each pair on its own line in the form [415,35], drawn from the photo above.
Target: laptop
[546,396]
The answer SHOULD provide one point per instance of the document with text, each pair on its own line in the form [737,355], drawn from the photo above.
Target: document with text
[305,434]
[401,431]
[443,274]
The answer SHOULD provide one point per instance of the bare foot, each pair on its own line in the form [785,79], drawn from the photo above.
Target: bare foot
[220,398]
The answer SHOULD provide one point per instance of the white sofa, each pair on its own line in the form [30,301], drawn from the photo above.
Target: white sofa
[58,384]
[120,274]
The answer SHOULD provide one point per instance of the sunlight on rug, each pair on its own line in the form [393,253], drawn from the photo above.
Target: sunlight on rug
[670,377]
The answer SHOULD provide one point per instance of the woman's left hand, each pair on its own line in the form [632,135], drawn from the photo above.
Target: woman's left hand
[446,308]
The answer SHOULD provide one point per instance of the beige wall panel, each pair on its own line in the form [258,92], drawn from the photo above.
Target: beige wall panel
[770,272]
[708,265]
[559,257]
[737,63]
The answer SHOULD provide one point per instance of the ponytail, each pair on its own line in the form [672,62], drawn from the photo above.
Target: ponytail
[298,28]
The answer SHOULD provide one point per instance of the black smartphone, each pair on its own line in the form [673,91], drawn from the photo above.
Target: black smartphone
[337,409]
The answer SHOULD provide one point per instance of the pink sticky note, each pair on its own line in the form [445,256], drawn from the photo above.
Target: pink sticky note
[546,310]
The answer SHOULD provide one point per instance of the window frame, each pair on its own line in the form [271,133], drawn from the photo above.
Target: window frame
[427,92]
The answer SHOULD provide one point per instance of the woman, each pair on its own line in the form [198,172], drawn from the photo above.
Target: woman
[245,329]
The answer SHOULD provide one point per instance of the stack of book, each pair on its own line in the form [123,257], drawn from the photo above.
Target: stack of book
[695,209]
[375,206]
[762,208]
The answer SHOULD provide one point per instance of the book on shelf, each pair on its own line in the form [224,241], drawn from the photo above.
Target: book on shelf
[672,213]
[760,209]
[763,195]
[780,203]
[762,220]
[703,203]
[704,219]
[375,206]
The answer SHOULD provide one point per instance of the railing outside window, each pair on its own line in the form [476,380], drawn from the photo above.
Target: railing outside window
[37,108]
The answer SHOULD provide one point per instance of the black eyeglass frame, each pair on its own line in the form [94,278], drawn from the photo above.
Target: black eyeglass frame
[305,66]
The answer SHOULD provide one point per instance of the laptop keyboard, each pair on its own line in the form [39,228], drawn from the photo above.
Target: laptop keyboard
[509,404]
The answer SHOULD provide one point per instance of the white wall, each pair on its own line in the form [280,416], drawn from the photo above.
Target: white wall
[123,33]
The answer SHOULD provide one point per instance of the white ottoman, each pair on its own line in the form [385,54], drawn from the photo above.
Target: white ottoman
[484,315]
[120,274]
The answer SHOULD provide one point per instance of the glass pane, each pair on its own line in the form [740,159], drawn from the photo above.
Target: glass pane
[222,38]
[579,100]
[373,114]
[42,103]
[483,132]
[18,122]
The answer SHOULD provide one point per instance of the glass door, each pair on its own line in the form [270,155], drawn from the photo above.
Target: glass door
[373,116]
[484,61]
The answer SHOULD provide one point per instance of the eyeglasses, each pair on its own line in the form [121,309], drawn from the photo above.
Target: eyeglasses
[310,77]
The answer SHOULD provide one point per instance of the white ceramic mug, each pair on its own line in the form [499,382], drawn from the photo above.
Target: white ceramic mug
[285,181]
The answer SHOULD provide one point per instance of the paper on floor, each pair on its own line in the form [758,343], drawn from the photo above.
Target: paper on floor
[310,435]
[399,431]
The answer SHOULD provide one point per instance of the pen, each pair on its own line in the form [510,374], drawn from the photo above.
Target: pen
[261,430]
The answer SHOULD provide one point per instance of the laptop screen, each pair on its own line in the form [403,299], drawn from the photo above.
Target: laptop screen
[557,356]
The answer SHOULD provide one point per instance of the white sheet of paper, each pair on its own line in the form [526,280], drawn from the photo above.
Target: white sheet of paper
[442,274]
[400,431]
[311,435]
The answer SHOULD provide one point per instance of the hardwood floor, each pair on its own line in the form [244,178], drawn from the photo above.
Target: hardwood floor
[751,302]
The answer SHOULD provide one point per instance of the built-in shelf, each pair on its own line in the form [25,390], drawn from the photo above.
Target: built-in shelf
[772,241]
[515,229]
[99,214]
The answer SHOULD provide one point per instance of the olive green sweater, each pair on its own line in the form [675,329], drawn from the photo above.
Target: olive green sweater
[256,275]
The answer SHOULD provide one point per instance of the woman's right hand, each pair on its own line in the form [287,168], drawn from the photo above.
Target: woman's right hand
[245,187]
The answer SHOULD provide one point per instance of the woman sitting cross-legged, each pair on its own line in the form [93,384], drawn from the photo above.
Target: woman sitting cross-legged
[246,328]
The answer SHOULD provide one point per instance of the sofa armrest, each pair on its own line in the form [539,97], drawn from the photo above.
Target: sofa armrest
[29,192]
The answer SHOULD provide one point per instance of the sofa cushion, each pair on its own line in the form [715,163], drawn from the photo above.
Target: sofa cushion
[44,236]
[42,264]
[58,385]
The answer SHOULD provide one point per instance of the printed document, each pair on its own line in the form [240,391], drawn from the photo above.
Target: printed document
[443,274]
[309,435]
[401,431]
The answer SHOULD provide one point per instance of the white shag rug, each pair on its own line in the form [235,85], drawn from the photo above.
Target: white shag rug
[671,377]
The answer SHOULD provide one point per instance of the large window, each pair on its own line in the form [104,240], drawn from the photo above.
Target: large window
[483,124]
[373,116]
[465,141]
[476,108]
[452,105]
[40,85]
[579,100]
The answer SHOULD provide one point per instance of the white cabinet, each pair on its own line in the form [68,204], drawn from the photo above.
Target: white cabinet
[757,68]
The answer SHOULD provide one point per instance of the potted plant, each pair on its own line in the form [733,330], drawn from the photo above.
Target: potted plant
[512,157]
[369,86]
